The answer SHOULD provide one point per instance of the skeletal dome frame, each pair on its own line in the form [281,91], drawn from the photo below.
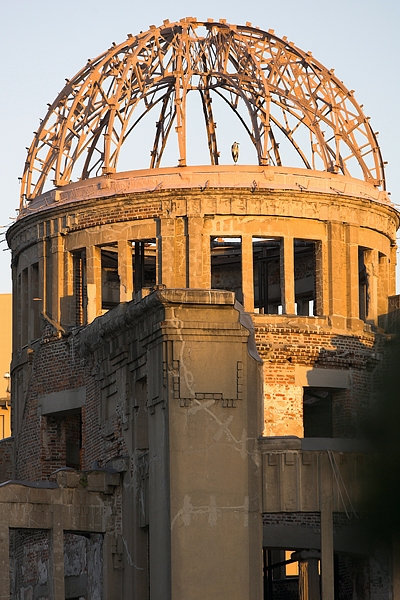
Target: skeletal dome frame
[285,90]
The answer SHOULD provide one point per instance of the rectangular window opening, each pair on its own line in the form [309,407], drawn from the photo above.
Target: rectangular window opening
[267,275]
[80,288]
[73,435]
[305,277]
[363,291]
[317,412]
[226,265]
[144,264]
[109,277]
[35,301]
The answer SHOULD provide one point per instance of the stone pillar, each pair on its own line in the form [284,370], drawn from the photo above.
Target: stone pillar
[337,275]
[308,574]
[166,240]
[372,267]
[93,268]
[180,253]
[195,253]
[392,272]
[57,251]
[287,275]
[4,557]
[353,301]
[125,270]
[383,287]
[326,495]
[57,554]
[247,273]
[68,301]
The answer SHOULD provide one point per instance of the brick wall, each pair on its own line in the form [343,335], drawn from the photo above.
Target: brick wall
[29,564]
[282,347]
[6,459]
[42,439]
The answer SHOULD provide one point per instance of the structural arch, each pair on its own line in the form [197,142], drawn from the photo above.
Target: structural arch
[286,93]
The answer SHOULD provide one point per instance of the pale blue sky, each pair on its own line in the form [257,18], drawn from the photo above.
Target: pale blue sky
[44,42]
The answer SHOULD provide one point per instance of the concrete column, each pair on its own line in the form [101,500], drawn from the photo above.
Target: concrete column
[287,275]
[353,302]
[247,273]
[195,254]
[125,270]
[57,251]
[167,254]
[42,274]
[320,294]
[372,267]
[383,286]
[327,565]
[392,272]
[57,554]
[180,253]
[4,558]
[68,301]
[308,574]
[93,268]
[337,275]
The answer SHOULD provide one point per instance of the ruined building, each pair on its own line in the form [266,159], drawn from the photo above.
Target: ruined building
[194,346]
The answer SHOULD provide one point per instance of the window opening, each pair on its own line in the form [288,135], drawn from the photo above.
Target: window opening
[80,288]
[305,277]
[109,278]
[73,436]
[281,574]
[317,412]
[267,275]
[363,291]
[226,265]
[35,301]
[144,263]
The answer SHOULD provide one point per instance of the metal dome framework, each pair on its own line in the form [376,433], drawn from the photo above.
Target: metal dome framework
[283,88]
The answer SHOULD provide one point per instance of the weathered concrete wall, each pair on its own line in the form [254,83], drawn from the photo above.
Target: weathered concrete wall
[165,389]
[196,476]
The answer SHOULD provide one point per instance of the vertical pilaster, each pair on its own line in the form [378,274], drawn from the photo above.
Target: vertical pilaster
[180,253]
[57,251]
[93,265]
[327,564]
[320,293]
[352,268]
[30,305]
[167,254]
[392,271]
[125,270]
[42,274]
[4,558]
[337,274]
[57,554]
[383,285]
[247,273]
[308,574]
[372,267]
[195,254]
[287,275]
